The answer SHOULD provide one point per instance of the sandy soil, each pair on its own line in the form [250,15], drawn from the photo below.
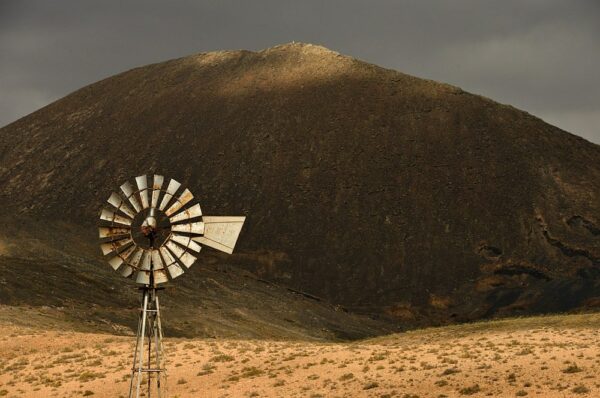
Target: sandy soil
[540,357]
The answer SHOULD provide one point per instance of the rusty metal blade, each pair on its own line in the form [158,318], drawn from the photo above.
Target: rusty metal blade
[106,248]
[119,204]
[177,251]
[160,276]
[166,255]
[143,277]
[135,258]
[157,262]
[111,232]
[175,270]
[115,246]
[127,189]
[121,220]
[156,187]
[115,200]
[146,261]
[192,212]
[173,186]
[187,259]
[191,228]
[127,271]
[127,252]
[109,215]
[185,241]
[121,243]
[142,183]
[171,189]
[181,201]
[115,262]
[129,192]
[165,200]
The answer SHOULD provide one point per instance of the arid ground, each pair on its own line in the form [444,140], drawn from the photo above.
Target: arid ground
[552,356]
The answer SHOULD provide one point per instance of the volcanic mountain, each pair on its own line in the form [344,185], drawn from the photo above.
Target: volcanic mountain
[365,187]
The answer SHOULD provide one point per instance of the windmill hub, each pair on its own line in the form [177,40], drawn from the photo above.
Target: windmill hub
[149,224]
[150,228]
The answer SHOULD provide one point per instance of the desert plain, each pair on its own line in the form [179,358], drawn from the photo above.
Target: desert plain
[545,356]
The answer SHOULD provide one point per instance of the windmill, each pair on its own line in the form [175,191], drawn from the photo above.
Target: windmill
[152,234]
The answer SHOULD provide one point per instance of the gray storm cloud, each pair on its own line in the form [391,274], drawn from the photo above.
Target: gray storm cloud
[540,56]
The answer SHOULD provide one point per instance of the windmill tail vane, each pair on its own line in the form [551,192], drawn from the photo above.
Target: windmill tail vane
[153,233]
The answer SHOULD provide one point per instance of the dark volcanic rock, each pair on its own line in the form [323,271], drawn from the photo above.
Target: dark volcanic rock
[373,189]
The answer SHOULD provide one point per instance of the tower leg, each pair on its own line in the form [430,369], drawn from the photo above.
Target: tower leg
[150,325]
[147,359]
[136,349]
[157,332]
[141,343]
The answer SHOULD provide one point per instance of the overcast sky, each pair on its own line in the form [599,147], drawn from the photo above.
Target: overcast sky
[542,56]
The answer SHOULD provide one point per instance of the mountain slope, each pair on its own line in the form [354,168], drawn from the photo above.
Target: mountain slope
[365,186]
[45,285]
